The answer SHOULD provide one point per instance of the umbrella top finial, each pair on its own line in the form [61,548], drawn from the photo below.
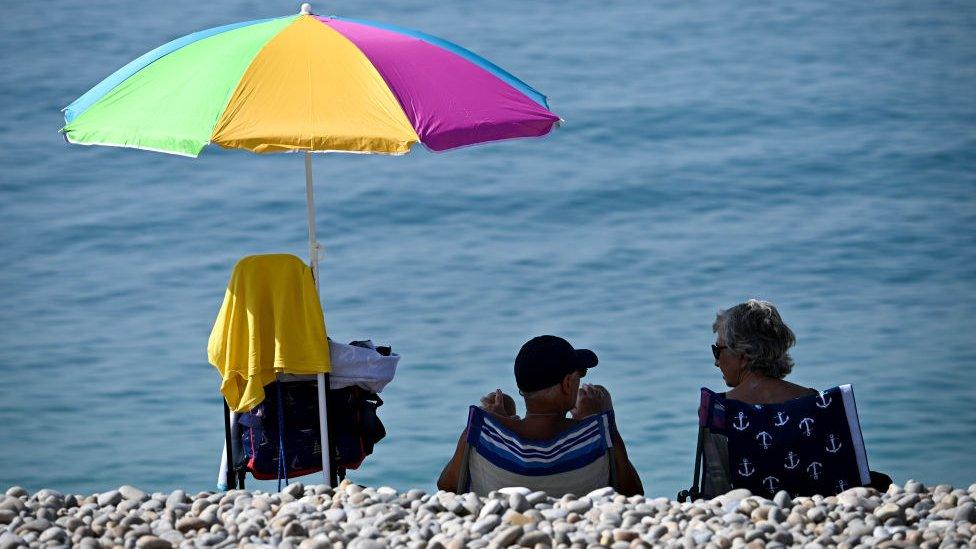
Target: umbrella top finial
[306,9]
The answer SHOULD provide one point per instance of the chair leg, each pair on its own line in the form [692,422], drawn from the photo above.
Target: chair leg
[231,477]
[336,473]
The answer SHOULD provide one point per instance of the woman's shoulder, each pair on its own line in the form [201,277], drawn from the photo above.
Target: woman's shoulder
[797,391]
[771,393]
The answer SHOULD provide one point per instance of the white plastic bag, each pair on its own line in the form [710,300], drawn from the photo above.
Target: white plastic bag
[352,365]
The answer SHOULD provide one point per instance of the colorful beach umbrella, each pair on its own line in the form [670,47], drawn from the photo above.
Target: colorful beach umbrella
[307,83]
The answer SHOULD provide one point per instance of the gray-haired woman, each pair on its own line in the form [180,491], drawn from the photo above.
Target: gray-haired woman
[752,351]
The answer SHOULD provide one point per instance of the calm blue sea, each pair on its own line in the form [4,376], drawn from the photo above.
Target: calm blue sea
[821,155]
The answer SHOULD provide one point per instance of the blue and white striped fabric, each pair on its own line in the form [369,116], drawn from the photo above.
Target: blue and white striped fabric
[578,446]
[577,461]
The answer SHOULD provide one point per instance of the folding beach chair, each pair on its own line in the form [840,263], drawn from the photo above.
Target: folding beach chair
[270,325]
[805,446]
[289,390]
[578,460]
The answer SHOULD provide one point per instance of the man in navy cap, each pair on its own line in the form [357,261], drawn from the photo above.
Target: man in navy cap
[548,371]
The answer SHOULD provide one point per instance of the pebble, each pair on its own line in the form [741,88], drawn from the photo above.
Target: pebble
[17,492]
[295,528]
[600,493]
[295,508]
[518,503]
[513,517]
[36,524]
[52,534]
[294,490]
[335,515]
[531,539]
[366,543]
[914,487]
[492,507]
[888,511]
[88,543]
[965,513]
[776,515]
[507,536]
[554,515]
[580,506]
[320,541]
[152,542]
[485,525]
[625,535]
[472,504]
[176,498]
[536,498]
[782,499]
[187,524]
[109,498]
[9,540]
[133,493]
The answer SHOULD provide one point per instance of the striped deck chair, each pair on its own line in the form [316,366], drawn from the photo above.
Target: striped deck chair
[577,461]
[807,445]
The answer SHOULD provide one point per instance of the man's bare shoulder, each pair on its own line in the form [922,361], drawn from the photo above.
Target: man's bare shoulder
[535,428]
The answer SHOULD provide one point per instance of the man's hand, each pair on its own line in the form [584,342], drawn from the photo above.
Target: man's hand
[591,399]
[498,403]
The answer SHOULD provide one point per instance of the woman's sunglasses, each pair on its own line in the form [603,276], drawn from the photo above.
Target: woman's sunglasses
[717,350]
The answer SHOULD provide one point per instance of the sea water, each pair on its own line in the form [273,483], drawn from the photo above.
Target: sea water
[821,155]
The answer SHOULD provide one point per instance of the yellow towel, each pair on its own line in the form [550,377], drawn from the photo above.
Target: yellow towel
[271,321]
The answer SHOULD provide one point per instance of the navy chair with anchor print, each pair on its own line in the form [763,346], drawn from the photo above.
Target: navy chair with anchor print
[805,446]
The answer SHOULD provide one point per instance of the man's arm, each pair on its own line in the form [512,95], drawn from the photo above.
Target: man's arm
[452,471]
[628,481]
[495,402]
[594,399]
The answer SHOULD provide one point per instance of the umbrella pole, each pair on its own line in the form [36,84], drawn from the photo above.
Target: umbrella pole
[313,245]
[321,379]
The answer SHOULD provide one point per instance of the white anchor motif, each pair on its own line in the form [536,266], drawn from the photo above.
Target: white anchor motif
[780,420]
[841,485]
[770,483]
[764,439]
[742,422]
[814,470]
[746,469]
[791,461]
[805,425]
[823,400]
[834,445]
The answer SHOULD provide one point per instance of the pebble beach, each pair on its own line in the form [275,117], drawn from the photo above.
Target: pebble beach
[363,517]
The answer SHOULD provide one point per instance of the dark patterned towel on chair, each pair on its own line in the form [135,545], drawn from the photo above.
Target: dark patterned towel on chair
[808,445]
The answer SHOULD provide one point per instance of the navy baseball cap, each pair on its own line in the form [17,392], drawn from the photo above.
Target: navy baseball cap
[545,360]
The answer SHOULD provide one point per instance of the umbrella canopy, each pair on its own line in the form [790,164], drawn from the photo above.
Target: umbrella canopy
[307,83]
